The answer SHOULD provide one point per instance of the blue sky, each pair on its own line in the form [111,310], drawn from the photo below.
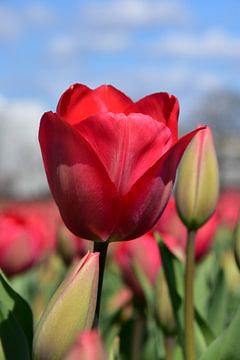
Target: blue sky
[141,46]
[188,48]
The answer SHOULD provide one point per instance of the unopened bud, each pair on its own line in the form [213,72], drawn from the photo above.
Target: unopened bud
[198,181]
[69,312]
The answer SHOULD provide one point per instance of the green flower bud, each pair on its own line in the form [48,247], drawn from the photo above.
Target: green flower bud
[70,311]
[198,181]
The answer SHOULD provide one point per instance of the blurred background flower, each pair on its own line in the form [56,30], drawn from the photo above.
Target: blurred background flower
[140,46]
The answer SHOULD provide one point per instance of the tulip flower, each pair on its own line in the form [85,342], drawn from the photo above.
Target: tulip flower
[145,254]
[69,312]
[111,162]
[228,207]
[88,346]
[25,239]
[198,181]
[174,233]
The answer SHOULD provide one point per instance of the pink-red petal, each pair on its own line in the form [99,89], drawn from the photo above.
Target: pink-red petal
[79,102]
[86,197]
[143,205]
[127,145]
[162,107]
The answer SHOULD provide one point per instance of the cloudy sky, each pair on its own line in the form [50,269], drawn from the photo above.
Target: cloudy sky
[141,46]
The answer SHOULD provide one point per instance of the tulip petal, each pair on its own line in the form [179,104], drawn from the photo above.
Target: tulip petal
[115,101]
[127,145]
[143,205]
[162,107]
[79,102]
[86,197]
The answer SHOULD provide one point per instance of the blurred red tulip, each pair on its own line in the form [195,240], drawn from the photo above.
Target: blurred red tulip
[229,207]
[145,254]
[110,162]
[174,233]
[25,238]
[88,346]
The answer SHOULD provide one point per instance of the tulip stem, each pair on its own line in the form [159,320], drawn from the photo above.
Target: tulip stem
[188,299]
[169,343]
[100,247]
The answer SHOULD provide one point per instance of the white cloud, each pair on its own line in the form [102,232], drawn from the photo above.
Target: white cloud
[10,24]
[21,172]
[214,43]
[64,48]
[135,13]
[15,22]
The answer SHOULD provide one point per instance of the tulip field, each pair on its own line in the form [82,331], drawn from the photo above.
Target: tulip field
[135,255]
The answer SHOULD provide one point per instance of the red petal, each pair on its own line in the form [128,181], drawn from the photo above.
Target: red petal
[127,145]
[85,195]
[162,107]
[114,100]
[80,102]
[144,204]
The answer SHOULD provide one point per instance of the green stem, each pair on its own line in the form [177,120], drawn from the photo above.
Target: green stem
[169,343]
[100,247]
[188,299]
[137,338]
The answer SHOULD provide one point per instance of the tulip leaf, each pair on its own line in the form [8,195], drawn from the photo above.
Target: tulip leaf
[168,266]
[13,306]
[204,327]
[13,340]
[218,304]
[175,280]
[227,345]
[144,282]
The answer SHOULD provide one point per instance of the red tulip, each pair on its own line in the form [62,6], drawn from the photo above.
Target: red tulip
[110,162]
[145,254]
[174,233]
[25,239]
[229,207]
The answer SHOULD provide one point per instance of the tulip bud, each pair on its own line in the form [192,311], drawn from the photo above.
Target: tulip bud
[198,181]
[70,311]
[237,244]
[164,306]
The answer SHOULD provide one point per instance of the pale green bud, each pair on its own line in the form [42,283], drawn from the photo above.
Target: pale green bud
[70,311]
[198,181]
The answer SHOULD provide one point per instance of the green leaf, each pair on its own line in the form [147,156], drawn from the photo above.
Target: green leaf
[227,345]
[217,308]
[13,306]
[204,327]
[175,279]
[168,266]
[145,283]
[13,342]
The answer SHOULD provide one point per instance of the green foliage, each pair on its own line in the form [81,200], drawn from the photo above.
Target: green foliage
[227,345]
[16,323]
